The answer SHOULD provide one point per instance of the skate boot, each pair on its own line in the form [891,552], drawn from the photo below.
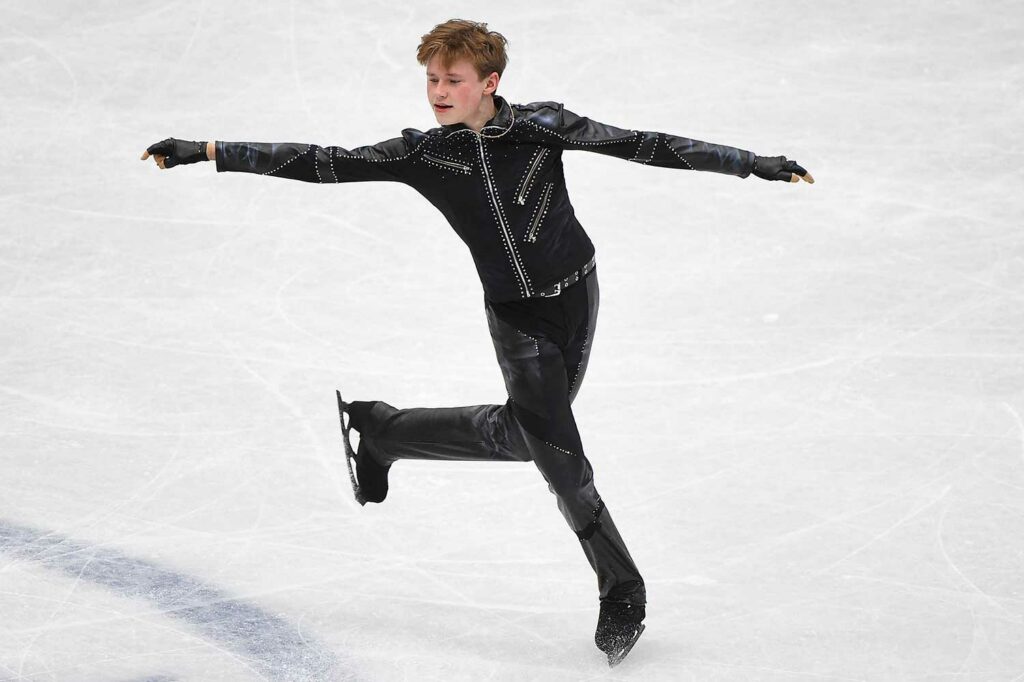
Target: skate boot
[618,627]
[370,480]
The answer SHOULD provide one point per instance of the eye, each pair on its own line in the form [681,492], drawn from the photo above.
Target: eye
[454,82]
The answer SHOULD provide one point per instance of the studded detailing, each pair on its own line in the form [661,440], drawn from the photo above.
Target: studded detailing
[524,188]
[556,288]
[502,188]
[538,216]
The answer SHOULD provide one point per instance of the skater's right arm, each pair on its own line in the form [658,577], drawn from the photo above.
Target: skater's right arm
[313,163]
[297,161]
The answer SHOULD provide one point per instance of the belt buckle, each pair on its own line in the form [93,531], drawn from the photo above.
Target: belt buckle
[556,292]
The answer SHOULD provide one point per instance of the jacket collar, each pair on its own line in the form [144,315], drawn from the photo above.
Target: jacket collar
[498,125]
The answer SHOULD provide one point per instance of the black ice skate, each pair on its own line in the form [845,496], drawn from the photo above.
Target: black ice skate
[618,627]
[370,480]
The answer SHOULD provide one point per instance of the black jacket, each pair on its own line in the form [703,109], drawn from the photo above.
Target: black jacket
[502,189]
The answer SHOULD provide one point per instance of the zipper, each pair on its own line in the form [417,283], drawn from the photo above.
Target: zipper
[521,198]
[445,162]
[501,220]
[531,236]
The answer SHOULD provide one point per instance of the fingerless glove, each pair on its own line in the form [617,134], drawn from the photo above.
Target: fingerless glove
[179,152]
[776,168]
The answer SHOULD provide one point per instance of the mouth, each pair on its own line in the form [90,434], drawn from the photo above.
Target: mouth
[442,107]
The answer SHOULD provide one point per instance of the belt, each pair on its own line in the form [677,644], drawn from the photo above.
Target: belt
[556,288]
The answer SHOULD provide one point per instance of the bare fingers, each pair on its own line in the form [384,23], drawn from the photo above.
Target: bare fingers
[157,158]
[798,172]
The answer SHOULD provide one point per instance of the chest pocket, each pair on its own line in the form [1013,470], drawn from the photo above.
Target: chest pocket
[443,163]
[539,211]
[531,174]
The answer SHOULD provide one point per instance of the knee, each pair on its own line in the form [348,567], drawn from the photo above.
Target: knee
[506,435]
[574,494]
[580,505]
[555,427]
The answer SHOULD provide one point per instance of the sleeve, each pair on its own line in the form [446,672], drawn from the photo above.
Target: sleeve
[385,160]
[646,147]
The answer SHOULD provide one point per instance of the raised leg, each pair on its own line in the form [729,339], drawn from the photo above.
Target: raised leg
[471,433]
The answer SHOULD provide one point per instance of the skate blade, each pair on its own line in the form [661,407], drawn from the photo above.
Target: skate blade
[616,658]
[349,454]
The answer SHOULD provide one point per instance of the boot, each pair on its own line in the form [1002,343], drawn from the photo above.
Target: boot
[370,483]
[618,627]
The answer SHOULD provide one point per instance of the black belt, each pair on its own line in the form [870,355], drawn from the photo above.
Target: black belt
[556,288]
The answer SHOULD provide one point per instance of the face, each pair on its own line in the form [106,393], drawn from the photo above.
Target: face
[458,87]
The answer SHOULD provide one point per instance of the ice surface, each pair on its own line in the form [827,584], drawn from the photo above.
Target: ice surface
[804,404]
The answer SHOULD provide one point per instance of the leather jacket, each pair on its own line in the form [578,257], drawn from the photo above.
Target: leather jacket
[502,189]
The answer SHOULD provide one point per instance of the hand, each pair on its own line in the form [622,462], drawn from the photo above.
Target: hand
[171,152]
[778,168]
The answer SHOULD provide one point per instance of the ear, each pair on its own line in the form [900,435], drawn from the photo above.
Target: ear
[492,83]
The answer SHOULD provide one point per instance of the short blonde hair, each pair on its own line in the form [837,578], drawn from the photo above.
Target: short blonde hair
[458,39]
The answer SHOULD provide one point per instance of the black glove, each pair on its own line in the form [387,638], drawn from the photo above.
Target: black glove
[776,168]
[179,152]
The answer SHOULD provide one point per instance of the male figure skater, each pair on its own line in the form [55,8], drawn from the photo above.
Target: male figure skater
[494,169]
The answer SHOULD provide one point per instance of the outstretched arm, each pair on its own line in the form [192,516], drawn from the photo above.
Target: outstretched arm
[306,162]
[313,163]
[572,131]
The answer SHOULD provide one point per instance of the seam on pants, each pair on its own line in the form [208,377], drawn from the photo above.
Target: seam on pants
[579,364]
[536,346]
[573,454]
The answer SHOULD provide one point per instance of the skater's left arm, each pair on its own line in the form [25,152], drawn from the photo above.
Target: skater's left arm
[569,130]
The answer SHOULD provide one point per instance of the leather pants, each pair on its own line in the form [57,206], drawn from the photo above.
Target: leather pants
[542,346]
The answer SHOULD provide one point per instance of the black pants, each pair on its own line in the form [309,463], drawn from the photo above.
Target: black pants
[542,346]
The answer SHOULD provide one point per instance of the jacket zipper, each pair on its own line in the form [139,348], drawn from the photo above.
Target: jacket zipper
[444,162]
[532,235]
[521,199]
[501,220]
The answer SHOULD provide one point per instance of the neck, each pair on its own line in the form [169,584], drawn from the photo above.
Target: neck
[484,114]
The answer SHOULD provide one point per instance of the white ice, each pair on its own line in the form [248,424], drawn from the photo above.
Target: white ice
[804,405]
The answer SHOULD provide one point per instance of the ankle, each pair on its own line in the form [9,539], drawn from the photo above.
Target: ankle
[359,415]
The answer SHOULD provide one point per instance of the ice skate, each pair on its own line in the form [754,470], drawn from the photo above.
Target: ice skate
[370,479]
[619,626]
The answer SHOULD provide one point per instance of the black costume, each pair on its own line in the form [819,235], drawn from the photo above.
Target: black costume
[503,191]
